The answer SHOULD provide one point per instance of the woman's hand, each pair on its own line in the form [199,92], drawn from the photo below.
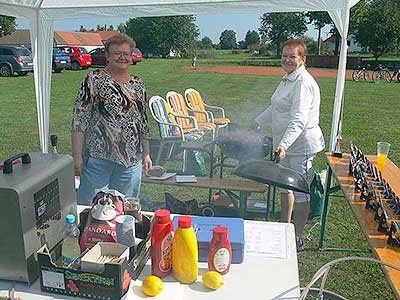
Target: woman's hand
[147,163]
[281,151]
[78,164]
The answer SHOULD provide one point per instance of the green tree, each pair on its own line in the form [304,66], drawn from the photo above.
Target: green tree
[377,26]
[7,25]
[227,40]
[319,19]
[279,27]
[161,35]
[206,43]
[82,29]
[252,38]
[122,28]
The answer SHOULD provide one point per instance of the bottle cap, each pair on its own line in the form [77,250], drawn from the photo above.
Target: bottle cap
[221,231]
[70,219]
[185,222]
[162,216]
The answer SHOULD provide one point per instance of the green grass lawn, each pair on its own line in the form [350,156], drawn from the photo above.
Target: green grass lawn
[370,115]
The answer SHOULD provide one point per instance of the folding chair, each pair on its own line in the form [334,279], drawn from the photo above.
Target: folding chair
[171,133]
[179,108]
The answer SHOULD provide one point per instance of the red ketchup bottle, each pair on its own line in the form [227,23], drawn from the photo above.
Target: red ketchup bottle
[161,243]
[219,251]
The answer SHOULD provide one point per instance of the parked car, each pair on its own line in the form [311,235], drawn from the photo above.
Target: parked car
[61,60]
[99,56]
[15,59]
[80,58]
[136,56]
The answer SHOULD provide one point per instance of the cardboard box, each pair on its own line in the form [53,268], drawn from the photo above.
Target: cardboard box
[204,226]
[109,284]
[89,261]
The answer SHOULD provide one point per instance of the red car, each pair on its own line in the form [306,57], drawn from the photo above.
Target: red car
[99,56]
[80,58]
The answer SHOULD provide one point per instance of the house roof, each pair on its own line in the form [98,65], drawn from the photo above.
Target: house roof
[77,38]
[18,37]
[105,35]
[22,37]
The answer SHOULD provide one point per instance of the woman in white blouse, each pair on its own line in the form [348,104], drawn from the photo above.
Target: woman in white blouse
[297,137]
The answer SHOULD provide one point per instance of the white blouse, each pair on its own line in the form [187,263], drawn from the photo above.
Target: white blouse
[294,114]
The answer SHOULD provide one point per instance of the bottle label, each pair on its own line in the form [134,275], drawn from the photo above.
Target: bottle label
[166,252]
[221,259]
[66,261]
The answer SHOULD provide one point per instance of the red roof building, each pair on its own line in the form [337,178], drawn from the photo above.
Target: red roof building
[88,40]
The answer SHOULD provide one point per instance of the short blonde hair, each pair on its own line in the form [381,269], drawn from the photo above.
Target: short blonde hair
[119,39]
[299,44]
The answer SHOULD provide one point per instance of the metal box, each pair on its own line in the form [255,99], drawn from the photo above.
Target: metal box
[203,227]
[35,199]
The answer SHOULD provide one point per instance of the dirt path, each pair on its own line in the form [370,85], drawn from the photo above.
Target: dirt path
[316,72]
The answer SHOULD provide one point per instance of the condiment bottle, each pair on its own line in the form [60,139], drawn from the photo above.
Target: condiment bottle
[161,243]
[219,251]
[185,253]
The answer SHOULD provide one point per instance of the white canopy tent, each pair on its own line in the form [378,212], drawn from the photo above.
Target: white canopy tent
[43,13]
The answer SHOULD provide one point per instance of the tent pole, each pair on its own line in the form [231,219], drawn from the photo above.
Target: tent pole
[340,82]
[42,31]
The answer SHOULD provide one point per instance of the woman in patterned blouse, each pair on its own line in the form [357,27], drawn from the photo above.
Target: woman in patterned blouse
[109,127]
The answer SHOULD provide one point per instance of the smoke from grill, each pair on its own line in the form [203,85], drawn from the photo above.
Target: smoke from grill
[244,144]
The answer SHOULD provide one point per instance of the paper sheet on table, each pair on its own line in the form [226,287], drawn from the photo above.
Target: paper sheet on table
[185,178]
[271,242]
[171,291]
[163,177]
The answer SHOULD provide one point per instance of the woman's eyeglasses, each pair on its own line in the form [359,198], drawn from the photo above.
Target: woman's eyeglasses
[124,54]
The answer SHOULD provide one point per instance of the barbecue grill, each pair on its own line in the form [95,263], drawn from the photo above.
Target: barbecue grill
[244,144]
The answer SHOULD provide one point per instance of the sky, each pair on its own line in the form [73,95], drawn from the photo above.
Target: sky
[210,25]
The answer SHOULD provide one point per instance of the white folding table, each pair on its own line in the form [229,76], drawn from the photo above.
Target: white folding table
[256,278]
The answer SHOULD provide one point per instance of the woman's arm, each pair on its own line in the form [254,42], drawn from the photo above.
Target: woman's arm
[80,121]
[77,147]
[264,117]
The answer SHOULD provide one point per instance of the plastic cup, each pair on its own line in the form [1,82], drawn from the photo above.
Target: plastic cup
[125,230]
[382,152]
[132,207]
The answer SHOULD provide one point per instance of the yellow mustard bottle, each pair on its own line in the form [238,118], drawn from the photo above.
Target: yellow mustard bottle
[185,253]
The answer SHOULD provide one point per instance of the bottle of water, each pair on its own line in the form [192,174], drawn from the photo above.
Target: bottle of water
[70,248]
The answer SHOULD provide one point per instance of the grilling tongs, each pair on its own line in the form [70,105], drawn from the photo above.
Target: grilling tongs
[273,173]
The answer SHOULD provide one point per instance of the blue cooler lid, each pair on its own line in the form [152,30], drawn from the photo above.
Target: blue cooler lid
[203,227]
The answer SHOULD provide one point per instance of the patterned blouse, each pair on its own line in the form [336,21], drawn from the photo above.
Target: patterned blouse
[113,117]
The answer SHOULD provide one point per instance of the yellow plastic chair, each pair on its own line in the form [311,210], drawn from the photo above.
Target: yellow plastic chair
[179,109]
[195,101]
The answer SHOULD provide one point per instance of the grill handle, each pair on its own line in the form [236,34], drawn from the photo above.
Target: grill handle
[8,163]
[275,156]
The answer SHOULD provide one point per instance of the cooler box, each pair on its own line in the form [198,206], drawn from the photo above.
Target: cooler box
[204,226]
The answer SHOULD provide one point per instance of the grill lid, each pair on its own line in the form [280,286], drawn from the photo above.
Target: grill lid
[273,173]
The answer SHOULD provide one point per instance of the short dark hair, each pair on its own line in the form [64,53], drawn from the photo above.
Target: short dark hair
[119,39]
[299,44]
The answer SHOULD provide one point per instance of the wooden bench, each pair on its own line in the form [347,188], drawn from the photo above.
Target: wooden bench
[244,187]
[338,168]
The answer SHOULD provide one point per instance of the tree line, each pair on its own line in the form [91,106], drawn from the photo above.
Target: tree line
[375,25]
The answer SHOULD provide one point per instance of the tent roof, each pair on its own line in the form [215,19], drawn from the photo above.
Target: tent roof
[69,9]
[43,13]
